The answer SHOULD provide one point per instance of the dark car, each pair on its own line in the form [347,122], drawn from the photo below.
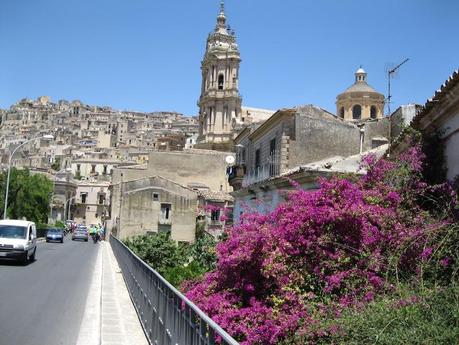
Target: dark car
[80,233]
[55,235]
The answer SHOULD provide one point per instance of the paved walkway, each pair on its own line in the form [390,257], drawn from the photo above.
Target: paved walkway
[110,317]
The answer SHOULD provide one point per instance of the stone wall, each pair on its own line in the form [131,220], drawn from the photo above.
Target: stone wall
[320,138]
[375,129]
[141,207]
[208,168]
[281,133]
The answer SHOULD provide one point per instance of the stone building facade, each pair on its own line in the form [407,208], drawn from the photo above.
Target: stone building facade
[91,204]
[155,204]
[360,101]
[181,175]
[297,136]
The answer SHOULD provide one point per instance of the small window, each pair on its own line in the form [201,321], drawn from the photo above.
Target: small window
[83,198]
[93,168]
[272,147]
[105,170]
[165,211]
[373,112]
[341,112]
[257,159]
[272,158]
[357,112]
[155,196]
[221,81]
[215,215]
[78,167]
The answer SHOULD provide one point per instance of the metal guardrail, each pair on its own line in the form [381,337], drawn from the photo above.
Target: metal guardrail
[167,316]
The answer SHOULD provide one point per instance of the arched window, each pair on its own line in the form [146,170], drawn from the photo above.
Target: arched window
[356,112]
[341,112]
[373,112]
[220,81]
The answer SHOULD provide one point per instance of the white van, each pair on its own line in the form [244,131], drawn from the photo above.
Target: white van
[18,240]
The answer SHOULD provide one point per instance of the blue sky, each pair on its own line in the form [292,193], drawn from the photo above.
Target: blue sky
[145,55]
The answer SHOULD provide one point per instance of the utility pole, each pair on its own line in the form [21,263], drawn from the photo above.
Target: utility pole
[390,73]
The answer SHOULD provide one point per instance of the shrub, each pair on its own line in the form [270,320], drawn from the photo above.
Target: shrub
[158,250]
[322,253]
[409,316]
[59,224]
[176,263]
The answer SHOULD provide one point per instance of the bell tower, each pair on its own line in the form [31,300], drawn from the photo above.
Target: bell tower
[220,101]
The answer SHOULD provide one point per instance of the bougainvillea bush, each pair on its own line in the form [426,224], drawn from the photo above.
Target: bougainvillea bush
[325,252]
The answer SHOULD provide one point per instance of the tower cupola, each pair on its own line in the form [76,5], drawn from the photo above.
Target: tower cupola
[360,75]
[221,19]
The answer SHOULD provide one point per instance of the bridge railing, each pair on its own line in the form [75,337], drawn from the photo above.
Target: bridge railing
[167,316]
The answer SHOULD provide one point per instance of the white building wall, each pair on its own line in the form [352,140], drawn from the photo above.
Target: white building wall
[263,201]
[451,133]
[86,168]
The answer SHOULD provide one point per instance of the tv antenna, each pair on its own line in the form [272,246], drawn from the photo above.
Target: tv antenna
[390,74]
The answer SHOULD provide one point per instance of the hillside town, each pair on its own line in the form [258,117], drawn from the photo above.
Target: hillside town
[194,177]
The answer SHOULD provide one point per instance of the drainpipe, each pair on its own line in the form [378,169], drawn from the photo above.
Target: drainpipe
[362,135]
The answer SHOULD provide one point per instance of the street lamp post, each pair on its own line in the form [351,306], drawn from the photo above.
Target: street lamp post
[46,137]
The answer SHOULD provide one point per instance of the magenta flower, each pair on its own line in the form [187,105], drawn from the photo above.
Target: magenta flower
[319,253]
[426,253]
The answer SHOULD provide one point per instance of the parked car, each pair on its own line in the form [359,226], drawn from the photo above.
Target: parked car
[55,235]
[80,233]
[18,240]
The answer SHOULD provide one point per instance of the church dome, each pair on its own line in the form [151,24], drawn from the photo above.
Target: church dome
[360,87]
[360,101]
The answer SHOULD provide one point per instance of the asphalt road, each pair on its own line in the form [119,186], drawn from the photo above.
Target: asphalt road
[42,303]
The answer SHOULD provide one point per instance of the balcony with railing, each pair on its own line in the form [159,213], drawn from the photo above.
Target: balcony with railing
[262,172]
[164,220]
[236,175]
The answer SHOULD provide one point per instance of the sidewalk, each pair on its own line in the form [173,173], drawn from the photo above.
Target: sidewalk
[110,317]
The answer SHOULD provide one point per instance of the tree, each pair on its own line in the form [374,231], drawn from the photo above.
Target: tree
[57,164]
[28,197]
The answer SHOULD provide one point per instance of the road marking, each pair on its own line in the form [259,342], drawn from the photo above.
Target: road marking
[91,323]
